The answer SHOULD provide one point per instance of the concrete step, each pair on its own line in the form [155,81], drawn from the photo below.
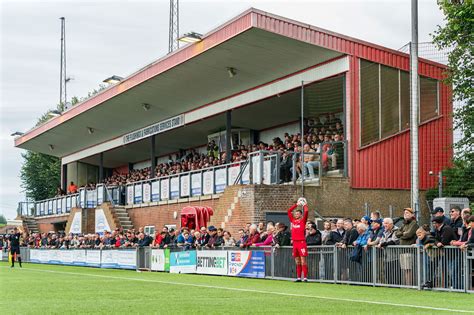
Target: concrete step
[122,215]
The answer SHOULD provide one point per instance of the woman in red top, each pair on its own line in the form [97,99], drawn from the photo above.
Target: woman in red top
[298,237]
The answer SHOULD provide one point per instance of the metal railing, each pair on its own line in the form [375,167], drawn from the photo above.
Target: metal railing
[444,269]
[262,167]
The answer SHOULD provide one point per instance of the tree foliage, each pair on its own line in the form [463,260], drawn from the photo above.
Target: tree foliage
[458,36]
[41,173]
[3,220]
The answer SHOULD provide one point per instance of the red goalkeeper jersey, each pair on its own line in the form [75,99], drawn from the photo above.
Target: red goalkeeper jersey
[298,227]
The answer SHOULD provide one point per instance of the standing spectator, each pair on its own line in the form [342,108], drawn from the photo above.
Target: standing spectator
[390,258]
[313,238]
[407,232]
[269,239]
[438,212]
[376,233]
[204,236]
[336,235]
[350,234]
[325,232]
[470,241]
[456,220]
[444,234]
[407,236]
[213,238]
[72,188]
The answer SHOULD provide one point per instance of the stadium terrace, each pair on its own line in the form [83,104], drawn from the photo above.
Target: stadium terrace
[212,134]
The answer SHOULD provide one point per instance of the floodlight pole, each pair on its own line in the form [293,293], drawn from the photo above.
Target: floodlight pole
[414,100]
[302,139]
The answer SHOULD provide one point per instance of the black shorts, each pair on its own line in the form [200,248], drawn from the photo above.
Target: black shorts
[15,250]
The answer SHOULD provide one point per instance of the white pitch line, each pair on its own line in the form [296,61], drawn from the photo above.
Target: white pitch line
[251,290]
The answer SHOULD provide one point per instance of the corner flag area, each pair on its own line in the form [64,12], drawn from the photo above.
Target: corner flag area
[50,289]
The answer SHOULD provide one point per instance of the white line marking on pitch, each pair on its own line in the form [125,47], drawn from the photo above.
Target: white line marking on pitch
[249,290]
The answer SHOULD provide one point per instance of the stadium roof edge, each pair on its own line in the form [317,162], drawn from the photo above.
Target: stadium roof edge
[250,18]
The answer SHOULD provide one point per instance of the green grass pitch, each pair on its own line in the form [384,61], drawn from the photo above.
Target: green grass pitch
[52,289]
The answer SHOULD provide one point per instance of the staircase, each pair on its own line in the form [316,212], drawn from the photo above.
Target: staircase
[231,208]
[123,217]
[31,224]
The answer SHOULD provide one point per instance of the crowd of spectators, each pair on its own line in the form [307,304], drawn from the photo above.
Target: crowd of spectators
[323,142]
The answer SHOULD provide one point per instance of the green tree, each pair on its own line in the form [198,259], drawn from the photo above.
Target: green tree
[458,36]
[41,173]
[3,220]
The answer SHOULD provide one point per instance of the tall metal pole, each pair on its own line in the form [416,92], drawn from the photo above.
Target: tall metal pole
[302,139]
[173,43]
[440,184]
[414,107]
[62,69]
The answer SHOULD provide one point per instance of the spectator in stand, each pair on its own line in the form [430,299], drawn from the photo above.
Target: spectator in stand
[313,236]
[269,237]
[376,232]
[59,192]
[158,239]
[261,227]
[213,238]
[350,234]
[375,215]
[242,238]
[456,220]
[204,236]
[254,237]
[228,240]
[310,161]
[72,188]
[336,235]
[366,220]
[389,236]
[423,237]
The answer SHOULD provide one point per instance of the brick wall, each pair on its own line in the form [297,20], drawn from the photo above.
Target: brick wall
[46,224]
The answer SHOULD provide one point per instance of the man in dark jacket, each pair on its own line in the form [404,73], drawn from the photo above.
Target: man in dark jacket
[350,235]
[336,235]
[470,240]
[283,237]
[313,238]
[444,234]
[143,240]
[456,221]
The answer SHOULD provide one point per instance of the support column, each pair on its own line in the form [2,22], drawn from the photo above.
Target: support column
[64,177]
[153,156]
[101,167]
[228,137]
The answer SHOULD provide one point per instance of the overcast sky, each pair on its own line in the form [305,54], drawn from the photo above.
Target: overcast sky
[119,37]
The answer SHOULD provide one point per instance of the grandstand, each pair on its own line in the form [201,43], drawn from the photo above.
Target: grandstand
[216,126]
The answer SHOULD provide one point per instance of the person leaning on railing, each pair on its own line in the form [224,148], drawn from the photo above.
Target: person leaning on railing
[470,241]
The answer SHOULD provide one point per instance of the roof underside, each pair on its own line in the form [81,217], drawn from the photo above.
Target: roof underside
[259,57]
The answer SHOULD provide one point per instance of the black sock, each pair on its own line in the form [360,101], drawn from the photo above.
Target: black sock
[19,261]
[13,261]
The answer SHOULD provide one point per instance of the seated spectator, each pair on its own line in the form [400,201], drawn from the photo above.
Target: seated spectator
[242,238]
[313,236]
[228,240]
[283,236]
[269,237]
[254,237]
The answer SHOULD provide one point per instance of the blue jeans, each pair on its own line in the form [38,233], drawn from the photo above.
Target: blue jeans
[309,167]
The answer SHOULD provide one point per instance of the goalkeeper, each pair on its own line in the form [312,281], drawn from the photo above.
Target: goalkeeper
[298,236]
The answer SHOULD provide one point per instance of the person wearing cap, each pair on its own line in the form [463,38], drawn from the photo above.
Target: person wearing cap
[407,236]
[376,232]
[444,233]
[438,211]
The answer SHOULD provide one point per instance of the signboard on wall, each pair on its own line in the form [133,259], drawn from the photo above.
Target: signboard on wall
[185,185]
[196,189]
[233,174]
[93,258]
[130,195]
[100,194]
[146,192]
[137,197]
[208,182]
[160,260]
[267,172]
[155,191]
[256,169]
[101,223]
[212,262]
[221,180]
[165,189]
[76,224]
[250,264]
[154,129]
[183,262]
[174,187]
